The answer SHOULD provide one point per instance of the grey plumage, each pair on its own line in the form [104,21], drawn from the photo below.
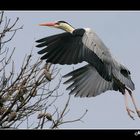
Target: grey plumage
[87,82]
[101,74]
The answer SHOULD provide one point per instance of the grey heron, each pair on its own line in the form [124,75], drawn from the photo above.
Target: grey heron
[102,72]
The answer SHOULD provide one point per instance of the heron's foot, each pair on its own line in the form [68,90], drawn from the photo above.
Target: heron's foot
[129,111]
[138,112]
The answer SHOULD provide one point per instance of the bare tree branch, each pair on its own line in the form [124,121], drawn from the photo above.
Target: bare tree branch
[26,96]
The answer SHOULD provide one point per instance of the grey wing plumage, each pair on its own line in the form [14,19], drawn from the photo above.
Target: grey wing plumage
[121,73]
[60,49]
[94,43]
[67,48]
[86,82]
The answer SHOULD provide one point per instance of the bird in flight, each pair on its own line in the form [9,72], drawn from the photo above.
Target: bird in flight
[102,73]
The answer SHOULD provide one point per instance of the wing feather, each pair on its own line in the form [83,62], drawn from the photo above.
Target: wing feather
[93,79]
[89,84]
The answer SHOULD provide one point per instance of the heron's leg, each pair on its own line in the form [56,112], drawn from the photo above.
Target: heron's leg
[129,111]
[134,101]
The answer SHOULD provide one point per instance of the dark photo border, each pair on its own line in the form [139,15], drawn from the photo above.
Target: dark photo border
[69,5]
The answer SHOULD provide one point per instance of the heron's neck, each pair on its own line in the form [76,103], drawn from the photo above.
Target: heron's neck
[68,28]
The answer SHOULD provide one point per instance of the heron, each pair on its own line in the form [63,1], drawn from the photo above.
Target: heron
[102,73]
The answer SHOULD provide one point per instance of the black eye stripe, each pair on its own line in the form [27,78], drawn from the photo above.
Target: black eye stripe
[59,22]
[62,22]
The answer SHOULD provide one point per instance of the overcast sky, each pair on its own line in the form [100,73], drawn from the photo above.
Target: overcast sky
[120,31]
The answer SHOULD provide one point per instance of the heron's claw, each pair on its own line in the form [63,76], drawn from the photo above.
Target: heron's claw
[129,113]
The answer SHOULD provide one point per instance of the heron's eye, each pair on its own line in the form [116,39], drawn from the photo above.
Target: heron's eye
[57,23]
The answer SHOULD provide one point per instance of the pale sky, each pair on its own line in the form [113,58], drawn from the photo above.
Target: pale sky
[120,32]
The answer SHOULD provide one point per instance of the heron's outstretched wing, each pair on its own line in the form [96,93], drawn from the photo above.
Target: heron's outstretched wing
[94,43]
[61,49]
[121,73]
[86,82]
[67,48]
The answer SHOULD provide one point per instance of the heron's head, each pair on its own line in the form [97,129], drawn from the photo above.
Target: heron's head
[59,24]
